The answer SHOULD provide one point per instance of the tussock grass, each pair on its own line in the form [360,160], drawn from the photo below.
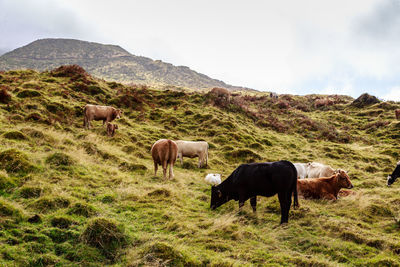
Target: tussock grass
[76,197]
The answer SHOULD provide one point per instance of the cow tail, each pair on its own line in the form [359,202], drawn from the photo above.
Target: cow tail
[170,154]
[84,116]
[295,195]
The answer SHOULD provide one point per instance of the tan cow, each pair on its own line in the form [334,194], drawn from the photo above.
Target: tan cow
[397,112]
[316,170]
[193,149]
[325,187]
[164,152]
[99,113]
[111,128]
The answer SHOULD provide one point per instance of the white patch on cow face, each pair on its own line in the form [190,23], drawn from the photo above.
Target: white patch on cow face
[388,180]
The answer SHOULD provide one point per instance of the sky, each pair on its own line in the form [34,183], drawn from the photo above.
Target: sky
[297,47]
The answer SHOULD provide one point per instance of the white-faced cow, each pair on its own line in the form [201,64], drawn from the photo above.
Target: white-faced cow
[396,173]
[99,113]
[259,179]
[164,153]
[193,149]
[316,170]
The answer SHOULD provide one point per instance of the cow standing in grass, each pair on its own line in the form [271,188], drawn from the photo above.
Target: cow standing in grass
[259,179]
[325,187]
[111,128]
[193,149]
[99,113]
[164,153]
[397,113]
[396,173]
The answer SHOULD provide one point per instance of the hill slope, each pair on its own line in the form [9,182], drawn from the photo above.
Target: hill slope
[71,196]
[109,62]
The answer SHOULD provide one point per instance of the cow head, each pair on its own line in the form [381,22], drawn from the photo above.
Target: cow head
[117,113]
[343,179]
[396,173]
[217,197]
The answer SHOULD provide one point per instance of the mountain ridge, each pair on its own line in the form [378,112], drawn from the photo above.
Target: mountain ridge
[110,62]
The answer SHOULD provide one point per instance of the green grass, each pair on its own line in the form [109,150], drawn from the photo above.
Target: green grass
[70,196]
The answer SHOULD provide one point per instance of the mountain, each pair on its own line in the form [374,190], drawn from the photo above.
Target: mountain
[110,62]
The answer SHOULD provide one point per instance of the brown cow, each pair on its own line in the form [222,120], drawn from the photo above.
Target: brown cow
[220,92]
[164,152]
[99,113]
[324,188]
[397,112]
[111,129]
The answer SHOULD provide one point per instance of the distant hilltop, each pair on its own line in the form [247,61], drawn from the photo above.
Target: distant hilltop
[110,62]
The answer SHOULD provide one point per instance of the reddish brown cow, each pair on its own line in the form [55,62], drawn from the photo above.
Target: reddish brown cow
[397,112]
[100,113]
[111,129]
[324,188]
[164,152]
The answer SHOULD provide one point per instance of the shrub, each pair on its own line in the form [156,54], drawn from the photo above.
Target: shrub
[365,100]
[106,235]
[73,71]
[34,116]
[15,135]
[28,93]
[14,161]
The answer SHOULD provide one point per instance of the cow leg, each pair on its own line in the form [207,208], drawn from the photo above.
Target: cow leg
[171,171]
[285,200]
[164,167]
[155,168]
[253,202]
[242,199]
[200,163]
[329,197]
[180,156]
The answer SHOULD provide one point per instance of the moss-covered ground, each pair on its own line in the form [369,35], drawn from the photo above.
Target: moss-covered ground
[75,197]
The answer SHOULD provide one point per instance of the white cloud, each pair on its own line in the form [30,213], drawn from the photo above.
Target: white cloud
[393,94]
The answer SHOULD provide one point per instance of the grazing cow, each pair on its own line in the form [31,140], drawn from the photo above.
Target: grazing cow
[164,152]
[220,92]
[397,112]
[325,187]
[193,149]
[273,95]
[259,179]
[213,178]
[111,129]
[302,170]
[316,170]
[99,113]
[396,173]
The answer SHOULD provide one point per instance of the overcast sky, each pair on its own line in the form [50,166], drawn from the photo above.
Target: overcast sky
[300,47]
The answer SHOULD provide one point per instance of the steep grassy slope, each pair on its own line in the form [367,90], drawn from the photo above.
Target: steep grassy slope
[71,197]
[109,62]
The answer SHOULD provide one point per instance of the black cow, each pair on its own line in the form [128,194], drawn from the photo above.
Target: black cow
[396,173]
[259,179]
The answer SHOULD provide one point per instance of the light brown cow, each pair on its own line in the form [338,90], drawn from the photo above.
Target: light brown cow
[111,129]
[220,92]
[316,170]
[325,187]
[164,152]
[397,112]
[99,113]
[193,149]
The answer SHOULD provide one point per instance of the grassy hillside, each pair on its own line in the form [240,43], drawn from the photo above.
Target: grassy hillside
[110,62]
[70,196]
